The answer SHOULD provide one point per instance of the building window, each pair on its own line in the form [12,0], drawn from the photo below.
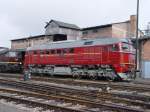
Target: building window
[85,32]
[95,31]
[42,38]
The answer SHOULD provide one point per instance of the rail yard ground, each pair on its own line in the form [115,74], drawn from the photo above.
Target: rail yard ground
[58,94]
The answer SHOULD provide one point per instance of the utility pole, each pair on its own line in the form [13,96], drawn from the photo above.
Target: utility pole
[137,42]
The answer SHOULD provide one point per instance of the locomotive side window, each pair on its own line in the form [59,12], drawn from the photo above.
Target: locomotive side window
[58,51]
[30,52]
[34,52]
[65,51]
[52,51]
[71,50]
[41,52]
[47,52]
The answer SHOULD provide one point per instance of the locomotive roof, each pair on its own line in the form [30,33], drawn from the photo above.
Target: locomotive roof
[77,43]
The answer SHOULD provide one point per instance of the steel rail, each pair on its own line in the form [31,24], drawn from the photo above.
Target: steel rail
[125,86]
[41,104]
[45,91]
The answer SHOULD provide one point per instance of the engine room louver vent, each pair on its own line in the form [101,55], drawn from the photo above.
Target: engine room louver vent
[88,43]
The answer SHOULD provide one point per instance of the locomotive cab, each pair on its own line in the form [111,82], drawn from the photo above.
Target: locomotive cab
[126,63]
[11,60]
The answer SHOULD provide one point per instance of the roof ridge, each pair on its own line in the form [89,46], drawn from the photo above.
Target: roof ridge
[64,24]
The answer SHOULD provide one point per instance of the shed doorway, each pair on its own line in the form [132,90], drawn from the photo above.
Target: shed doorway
[59,37]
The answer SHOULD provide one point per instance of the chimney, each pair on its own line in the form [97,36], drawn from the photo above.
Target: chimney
[133,24]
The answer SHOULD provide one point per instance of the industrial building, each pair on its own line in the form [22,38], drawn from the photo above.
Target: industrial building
[68,31]
[126,29]
[54,31]
[58,31]
[26,42]
[144,45]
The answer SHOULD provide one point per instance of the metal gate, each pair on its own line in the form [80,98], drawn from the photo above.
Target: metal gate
[145,69]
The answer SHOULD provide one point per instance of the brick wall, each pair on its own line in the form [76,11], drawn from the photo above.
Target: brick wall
[122,30]
[146,51]
[28,42]
[98,33]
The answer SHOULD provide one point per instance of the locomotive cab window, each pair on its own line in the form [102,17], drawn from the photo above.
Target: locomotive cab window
[34,52]
[125,47]
[115,48]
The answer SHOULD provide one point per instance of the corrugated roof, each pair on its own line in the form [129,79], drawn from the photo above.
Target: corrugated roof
[65,25]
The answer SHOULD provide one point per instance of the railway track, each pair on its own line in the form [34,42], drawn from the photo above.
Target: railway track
[138,87]
[83,106]
[30,98]
[91,96]
[132,88]
[134,94]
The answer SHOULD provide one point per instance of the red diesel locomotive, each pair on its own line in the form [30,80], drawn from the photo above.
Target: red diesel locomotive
[107,57]
[11,60]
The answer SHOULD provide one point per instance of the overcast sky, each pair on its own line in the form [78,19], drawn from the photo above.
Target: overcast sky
[21,18]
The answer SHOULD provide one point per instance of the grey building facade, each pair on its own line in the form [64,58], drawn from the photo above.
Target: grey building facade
[68,31]
[54,31]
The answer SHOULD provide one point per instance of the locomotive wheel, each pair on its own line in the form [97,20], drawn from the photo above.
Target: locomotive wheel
[92,76]
[75,75]
[110,79]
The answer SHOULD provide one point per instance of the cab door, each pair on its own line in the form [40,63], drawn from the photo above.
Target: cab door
[105,55]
